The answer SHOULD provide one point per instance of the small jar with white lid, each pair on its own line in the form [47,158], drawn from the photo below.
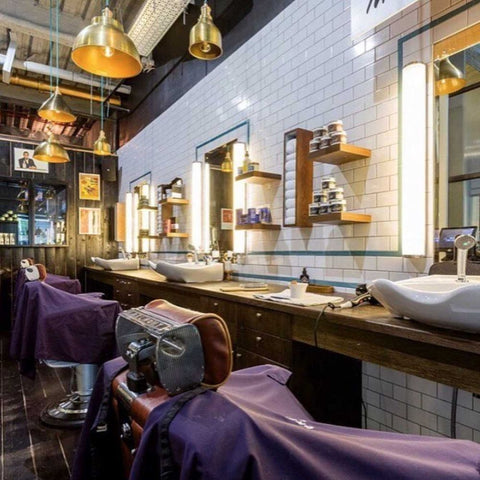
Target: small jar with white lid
[328,182]
[314,144]
[320,132]
[313,209]
[335,194]
[336,206]
[324,142]
[324,208]
[320,196]
[336,126]
[338,137]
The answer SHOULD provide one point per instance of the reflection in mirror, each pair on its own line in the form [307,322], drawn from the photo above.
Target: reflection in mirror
[221,197]
[458,147]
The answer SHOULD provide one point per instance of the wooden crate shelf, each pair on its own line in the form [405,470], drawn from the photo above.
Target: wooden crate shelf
[173,201]
[341,218]
[258,226]
[340,153]
[260,178]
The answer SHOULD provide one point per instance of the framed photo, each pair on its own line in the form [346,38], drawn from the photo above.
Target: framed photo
[89,221]
[89,186]
[23,161]
[226,219]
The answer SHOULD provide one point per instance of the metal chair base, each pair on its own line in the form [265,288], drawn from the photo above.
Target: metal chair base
[69,412]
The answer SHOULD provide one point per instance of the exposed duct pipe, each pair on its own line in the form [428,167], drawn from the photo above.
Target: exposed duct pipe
[72,92]
[63,74]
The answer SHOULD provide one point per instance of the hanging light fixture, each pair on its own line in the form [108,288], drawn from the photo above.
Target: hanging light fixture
[55,109]
[448,78]
[50,150]
[101,146]
[226,166]
[205,37]
[104,49]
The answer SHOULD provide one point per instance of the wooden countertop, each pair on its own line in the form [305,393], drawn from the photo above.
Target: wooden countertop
[366,317]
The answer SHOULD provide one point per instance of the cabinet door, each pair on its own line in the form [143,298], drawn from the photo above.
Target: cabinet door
[244,359]
[278,350]
[126,293]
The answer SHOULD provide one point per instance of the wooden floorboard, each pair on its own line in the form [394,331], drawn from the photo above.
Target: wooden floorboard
[29,449]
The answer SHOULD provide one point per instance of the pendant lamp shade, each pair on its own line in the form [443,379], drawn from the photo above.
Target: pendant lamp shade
[227,166]
[55,109]
[101,146]
[104,49]
[448,78]
[51,151]
[205,37]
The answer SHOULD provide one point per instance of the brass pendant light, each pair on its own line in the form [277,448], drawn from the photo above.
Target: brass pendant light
[448,78]
[227,166]
[55,109]
[205,37]
[101,146]
[50,150]
[104,49]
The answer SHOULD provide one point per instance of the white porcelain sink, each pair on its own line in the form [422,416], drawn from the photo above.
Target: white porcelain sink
[117,263]
[438,300]
[189,272]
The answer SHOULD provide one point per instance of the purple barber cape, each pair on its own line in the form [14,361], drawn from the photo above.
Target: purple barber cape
[51,324]
[253,428]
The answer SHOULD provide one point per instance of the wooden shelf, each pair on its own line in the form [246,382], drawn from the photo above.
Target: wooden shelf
[174,201]
[257,177]
[174,235]
[340,153]
[341,218]
[150,208]
[258,226]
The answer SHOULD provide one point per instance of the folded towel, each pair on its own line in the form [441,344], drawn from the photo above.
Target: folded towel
[308,300]
[291,145]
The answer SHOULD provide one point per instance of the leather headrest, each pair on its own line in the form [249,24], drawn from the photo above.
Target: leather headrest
[26,262]
[216,342]
[36,272]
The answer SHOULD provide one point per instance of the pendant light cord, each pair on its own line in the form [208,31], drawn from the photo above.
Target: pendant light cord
[57,34]
[101,103]
[51,44]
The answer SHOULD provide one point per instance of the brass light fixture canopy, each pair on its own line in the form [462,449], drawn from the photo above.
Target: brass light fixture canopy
[51,151]
[205,37]
[101,146]
[55,109]
[448,78]
[104,49]
[227,166]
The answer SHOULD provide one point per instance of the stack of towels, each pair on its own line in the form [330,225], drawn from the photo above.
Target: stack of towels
[290,181]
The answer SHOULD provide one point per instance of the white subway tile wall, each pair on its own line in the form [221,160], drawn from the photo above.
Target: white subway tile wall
[303,70]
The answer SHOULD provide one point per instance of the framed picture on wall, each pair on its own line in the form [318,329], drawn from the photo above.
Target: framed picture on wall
[89,221]
[23,161]
[226,215]
[89,186]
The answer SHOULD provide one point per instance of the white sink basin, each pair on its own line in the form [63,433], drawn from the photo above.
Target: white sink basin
[438,300]
[189,272]
[117,263]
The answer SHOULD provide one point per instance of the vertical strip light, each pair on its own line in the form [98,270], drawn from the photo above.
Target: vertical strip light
[129,222]
[238,196]
[206,206]
[196,203]
[414,155]
[135,229]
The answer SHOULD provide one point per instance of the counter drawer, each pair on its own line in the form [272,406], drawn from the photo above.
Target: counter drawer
[224,309]
[268,321]
[274,348]
[244,359]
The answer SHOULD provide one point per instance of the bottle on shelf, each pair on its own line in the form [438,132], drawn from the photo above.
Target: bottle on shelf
[246,162]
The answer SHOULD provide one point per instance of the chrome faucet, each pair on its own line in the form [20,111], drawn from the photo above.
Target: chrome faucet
[193,249]
[463,243]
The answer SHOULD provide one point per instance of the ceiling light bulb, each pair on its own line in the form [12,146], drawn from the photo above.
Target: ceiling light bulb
[108,52]
[205,47]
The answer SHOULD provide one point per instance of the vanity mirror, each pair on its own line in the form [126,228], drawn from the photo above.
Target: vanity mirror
[457,133]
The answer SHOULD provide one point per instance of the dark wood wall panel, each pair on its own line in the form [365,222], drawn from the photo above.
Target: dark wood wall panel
[60,260]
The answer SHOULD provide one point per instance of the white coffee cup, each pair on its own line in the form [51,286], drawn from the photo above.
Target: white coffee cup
[297,290]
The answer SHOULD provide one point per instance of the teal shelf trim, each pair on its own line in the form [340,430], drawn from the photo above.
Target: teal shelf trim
[288,279]
[333,253]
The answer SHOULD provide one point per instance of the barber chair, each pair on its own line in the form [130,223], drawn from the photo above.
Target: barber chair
[52,324]
[70,411]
